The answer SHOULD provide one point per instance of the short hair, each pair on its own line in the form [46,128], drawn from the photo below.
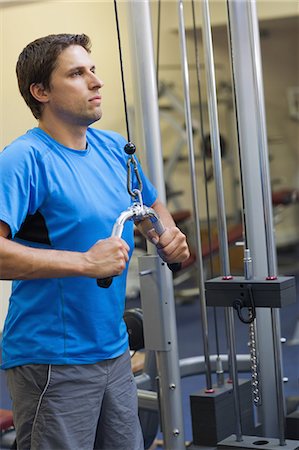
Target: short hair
[38,60]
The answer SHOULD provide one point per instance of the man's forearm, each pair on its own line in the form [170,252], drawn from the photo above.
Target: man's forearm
[18,262]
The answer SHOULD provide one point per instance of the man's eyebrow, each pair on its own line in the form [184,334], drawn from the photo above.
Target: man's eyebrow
[73,69]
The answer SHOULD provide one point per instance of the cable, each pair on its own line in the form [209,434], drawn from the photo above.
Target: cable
[133,354]
[237,129]
[122,70]
[158,44]
[130,147]
[239,304]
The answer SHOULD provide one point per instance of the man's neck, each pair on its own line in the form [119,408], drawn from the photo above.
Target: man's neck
[70,136]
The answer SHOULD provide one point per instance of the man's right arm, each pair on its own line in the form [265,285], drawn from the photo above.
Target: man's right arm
[105,258]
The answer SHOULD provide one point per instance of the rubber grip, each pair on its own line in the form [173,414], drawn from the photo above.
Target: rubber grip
[175,267]
[104,282]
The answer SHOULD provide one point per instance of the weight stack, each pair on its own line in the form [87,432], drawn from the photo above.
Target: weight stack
[213,414]
[292,425]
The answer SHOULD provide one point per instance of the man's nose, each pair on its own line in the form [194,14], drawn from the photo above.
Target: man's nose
[96,81]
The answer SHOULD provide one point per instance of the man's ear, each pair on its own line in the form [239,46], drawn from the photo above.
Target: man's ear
[38,91]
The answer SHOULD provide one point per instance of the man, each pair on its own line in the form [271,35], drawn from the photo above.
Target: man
[62,186]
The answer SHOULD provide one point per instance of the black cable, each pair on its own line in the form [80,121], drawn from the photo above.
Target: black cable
[133,354]
[237,128]
[203,143]
[129,148]
[239,304]
[158,44]
[122,70]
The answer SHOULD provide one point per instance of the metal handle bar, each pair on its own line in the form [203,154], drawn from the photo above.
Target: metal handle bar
[137,212]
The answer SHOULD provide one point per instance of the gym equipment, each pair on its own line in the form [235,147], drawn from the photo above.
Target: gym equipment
[147,114]
[263,293]
[7,431]
[257,204]
[195,203]
[134,321]
[211,422]
[170,399]
[138,212]
[158,337]
[292,425]
[222,229]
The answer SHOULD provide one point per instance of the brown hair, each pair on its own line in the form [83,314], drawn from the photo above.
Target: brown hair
[38,60]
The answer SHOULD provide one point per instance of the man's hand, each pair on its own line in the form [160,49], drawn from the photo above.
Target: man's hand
[171,245]
[107,258]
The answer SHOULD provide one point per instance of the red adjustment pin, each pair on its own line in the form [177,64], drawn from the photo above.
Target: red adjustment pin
[209,391]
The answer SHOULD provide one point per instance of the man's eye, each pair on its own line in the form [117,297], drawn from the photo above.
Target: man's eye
[77,73]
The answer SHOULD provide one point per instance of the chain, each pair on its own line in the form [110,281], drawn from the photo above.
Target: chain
[254,362]
[133,192]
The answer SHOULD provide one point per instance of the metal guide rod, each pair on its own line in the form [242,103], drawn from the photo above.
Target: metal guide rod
[215,136]
[188,118]
[221,216]
[248,265]
[267,204]
[262,137]
[250,116]
[281,413]
[147,112]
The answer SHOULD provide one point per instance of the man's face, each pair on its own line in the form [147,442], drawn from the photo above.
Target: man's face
[74,96]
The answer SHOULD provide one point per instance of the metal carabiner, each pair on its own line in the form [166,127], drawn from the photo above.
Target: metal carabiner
[137,193]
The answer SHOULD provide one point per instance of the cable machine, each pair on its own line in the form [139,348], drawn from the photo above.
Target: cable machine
[260,287]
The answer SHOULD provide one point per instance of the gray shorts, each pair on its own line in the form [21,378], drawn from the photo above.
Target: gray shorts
[76,407]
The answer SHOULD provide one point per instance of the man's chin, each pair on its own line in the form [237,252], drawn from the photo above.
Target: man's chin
[95,118]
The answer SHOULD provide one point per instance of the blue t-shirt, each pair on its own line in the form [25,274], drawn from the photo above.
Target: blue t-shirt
[54,197]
